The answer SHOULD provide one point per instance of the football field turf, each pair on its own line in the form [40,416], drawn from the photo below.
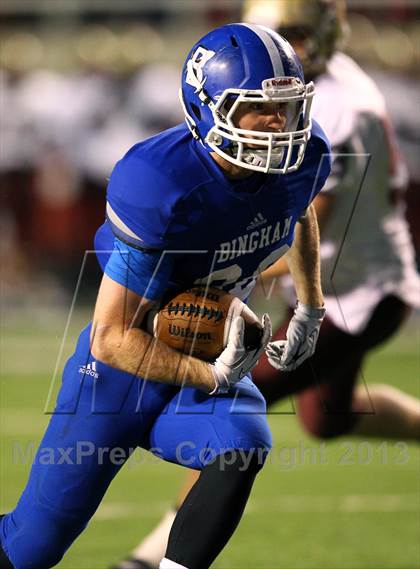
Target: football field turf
[350,504]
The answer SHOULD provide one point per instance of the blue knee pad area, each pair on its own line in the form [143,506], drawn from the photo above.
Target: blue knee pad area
[102,415]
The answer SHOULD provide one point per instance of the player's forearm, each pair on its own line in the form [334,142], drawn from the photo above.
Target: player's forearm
[303,259]
[138,353]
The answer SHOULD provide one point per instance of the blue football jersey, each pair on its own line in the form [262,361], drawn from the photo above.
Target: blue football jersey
[168,199]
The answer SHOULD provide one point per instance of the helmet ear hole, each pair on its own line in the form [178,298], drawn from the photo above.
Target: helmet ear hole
[196,111]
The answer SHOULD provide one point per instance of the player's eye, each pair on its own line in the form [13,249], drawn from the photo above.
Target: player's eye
[256,107]
[267,108]
[280,108]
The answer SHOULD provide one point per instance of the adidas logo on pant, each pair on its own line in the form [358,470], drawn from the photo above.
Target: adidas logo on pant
[89,369]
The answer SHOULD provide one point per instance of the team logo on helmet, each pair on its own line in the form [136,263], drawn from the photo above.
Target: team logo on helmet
[195,75]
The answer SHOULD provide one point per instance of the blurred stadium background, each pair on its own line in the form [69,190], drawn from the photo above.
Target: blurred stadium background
[80,82]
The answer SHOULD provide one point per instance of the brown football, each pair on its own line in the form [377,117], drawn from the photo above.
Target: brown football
[197,322]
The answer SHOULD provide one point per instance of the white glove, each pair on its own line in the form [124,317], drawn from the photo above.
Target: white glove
[302,335]
[235,361]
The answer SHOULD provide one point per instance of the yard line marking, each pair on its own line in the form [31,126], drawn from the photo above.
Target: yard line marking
[114,510]
[350,503]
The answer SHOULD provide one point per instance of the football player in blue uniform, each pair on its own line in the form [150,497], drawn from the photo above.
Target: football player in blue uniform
[369,292]
[215,202]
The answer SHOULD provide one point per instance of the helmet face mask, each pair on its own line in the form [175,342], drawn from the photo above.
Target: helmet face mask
[240,64]
[262,151]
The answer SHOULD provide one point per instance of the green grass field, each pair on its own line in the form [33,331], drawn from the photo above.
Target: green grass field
[350,504]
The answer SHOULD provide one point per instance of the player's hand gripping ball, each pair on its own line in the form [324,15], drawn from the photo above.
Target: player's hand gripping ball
[197,322]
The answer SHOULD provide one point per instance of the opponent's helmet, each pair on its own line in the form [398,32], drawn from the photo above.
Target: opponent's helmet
[240,63]
[320,26]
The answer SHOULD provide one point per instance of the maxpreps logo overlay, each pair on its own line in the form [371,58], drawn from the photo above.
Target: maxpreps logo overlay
[89,369]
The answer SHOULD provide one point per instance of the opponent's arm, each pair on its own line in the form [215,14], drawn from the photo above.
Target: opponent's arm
[118,341]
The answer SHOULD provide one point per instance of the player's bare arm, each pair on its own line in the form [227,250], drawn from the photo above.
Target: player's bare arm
[303,260]
[118,341]
[324,205]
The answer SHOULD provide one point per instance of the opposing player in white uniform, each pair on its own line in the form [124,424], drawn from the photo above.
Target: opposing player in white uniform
[368,272]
